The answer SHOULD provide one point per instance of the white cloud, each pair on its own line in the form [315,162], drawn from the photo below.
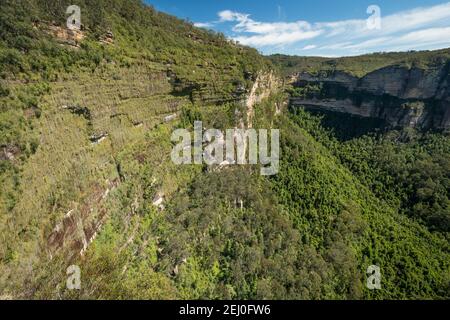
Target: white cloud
[204,24]
[421,38]
[419,28]
[277,38]
[309,47]
[228,15]
[267,34]
[416,18]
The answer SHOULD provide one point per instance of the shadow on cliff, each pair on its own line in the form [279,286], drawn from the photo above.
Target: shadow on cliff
[347,127]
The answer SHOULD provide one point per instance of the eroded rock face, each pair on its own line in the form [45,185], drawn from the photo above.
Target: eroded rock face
[79,226]
[67,36]
[338,77]
[405,83]
[9,152]
[402,96]
[264,85]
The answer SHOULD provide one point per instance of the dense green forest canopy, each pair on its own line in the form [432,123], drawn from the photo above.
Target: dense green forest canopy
[358,66]
[347,196]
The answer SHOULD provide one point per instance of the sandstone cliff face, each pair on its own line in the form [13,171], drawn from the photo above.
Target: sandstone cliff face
[265,85]
[406,83]
[402,96]
[338,77]
[412,114]
[67,36]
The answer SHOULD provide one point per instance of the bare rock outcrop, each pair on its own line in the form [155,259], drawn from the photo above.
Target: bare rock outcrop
[403,96]
[67,36]
[264,86]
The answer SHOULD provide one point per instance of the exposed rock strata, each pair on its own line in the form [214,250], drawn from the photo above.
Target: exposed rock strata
[402,96]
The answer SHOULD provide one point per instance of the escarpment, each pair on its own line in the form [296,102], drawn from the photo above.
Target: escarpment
[402,95]
[265,85]
[87,117]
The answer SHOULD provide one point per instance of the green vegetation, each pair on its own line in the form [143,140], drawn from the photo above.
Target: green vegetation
[408,169]
[358,66]
[72,109]
[86,176]
[319,191]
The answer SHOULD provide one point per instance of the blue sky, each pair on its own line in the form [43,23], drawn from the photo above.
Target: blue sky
[322,27]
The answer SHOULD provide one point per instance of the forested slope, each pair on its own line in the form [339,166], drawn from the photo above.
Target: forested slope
[87,179]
